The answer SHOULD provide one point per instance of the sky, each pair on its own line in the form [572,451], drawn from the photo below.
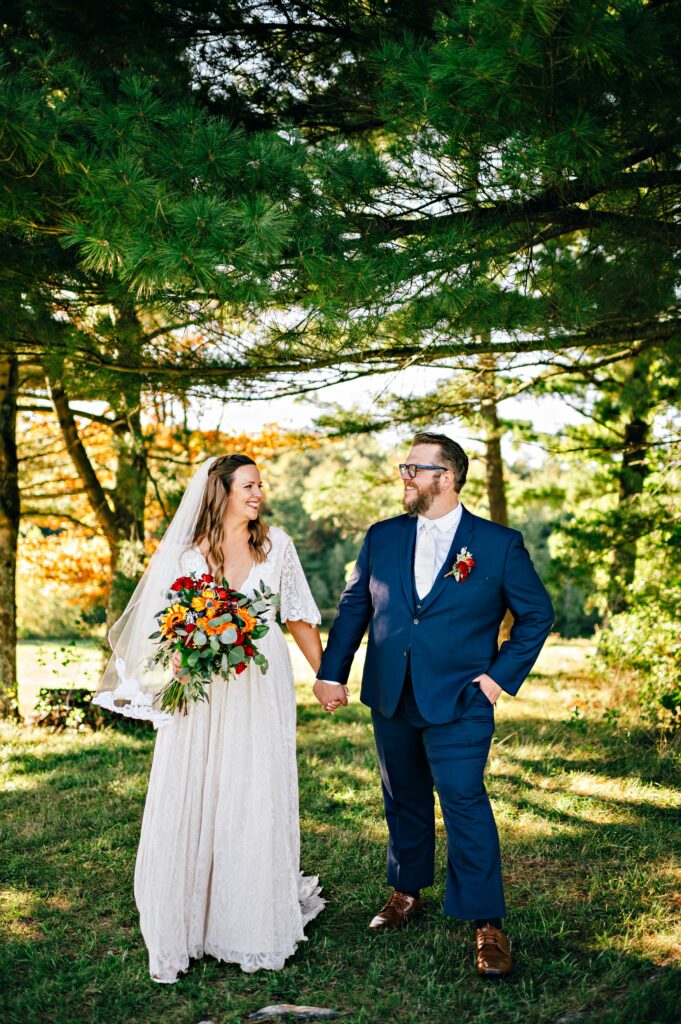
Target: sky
[547,414]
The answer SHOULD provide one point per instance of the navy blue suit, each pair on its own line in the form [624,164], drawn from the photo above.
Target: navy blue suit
[433,726]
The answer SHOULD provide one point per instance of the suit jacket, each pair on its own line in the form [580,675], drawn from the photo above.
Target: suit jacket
[448,637]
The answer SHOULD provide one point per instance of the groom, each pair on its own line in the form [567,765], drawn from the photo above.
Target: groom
[433,586]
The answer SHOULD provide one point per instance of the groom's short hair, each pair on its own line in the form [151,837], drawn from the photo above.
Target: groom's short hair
[451,454]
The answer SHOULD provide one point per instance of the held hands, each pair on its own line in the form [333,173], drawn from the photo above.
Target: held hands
[330,695]
[490,689]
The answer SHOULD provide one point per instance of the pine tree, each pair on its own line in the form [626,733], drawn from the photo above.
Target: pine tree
[121,199]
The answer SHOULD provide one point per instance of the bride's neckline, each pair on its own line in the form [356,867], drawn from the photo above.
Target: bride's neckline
[241,586]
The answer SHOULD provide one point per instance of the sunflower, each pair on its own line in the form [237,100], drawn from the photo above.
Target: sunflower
[249,621]
[207,601]
[174,616]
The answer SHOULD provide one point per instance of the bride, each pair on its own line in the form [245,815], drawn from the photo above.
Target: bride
[217,868]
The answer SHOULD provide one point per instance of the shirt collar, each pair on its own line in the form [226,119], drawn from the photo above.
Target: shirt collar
[445,523]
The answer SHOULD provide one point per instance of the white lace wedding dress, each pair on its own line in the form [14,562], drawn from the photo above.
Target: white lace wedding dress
[217,868]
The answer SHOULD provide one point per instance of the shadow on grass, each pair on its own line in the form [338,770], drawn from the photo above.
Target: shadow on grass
[582,892]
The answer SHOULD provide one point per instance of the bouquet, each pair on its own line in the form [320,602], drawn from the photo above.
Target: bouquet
[214,629]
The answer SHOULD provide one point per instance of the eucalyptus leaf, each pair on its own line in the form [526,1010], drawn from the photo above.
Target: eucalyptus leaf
[220,620]
[236,655]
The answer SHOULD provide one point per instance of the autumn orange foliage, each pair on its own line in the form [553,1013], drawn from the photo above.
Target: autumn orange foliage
[62,548]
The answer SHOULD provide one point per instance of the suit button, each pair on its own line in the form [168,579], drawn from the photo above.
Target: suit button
[416,622]
[405,653]
[418,605]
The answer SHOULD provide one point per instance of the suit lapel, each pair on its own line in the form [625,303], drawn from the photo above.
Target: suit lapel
[407,542]
[462,539]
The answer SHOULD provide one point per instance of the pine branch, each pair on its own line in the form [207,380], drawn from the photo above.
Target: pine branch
[545,210]
[52,496]
[95,417]
[36,513]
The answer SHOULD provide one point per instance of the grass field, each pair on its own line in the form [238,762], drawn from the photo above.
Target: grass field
[589,816]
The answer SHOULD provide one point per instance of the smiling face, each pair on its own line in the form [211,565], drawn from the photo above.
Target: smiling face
[245,494]
[430,492]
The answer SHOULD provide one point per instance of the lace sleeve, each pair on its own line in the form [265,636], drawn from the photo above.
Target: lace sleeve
[297,602]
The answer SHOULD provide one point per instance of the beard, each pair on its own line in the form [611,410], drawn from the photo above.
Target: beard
[424,499]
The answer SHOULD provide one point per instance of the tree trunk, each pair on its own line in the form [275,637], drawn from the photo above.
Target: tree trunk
[9,535]
[121,516]
[494,466]
[130,490]
[633,473]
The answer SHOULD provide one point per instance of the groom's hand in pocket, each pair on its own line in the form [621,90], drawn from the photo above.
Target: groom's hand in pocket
[490,689]
[330,695]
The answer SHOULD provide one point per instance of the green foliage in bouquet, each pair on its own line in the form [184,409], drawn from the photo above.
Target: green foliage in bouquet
[208,630]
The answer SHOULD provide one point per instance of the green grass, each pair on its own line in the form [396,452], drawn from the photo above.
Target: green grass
[589,822]
[55,663]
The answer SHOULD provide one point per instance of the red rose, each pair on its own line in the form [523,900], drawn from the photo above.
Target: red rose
[241,667]
[463,569]
[249,651]
[222,593]
[471,562]
[177,585]
[190,627]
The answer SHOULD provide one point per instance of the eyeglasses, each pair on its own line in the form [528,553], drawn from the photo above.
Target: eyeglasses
[410,469]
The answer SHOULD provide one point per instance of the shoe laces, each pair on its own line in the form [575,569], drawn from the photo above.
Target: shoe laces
[490,936]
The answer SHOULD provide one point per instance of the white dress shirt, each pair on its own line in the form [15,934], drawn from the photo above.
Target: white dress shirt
[433,540]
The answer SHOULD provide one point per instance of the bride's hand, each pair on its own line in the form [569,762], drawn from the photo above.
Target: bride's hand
[330,695]
[176,663]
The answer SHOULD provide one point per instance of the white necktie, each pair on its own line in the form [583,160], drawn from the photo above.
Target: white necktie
[424,559]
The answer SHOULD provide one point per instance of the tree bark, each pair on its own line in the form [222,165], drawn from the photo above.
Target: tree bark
[99,503]
[121,517]
[9,535]
[494,466]
[632,478]
[130,489]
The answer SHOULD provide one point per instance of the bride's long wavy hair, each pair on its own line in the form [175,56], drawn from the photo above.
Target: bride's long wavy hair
[209,525]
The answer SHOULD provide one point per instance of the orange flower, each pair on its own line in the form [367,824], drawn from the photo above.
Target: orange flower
[174,616]
[249,621]
[207,601]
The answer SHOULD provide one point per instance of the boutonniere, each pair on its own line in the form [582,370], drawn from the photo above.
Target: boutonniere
[463,563]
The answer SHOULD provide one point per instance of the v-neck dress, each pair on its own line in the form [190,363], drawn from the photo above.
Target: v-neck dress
[217,867]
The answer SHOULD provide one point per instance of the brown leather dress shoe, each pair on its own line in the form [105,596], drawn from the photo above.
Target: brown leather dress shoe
[494,952]
[399,909]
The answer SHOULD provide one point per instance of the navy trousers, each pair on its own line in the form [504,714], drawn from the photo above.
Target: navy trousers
[416,756]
